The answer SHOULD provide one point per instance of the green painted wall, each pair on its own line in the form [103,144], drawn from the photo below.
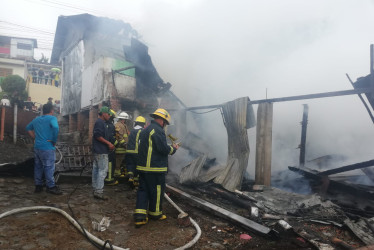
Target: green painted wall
[122,64]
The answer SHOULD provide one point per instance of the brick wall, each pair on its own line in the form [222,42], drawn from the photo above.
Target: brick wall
[72,123]
[91,120]
[115,104]
[23,118]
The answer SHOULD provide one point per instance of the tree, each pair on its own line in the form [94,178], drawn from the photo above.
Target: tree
[44,59]
[15,87]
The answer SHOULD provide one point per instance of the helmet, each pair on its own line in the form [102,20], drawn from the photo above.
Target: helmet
[161,113]
[140,119]
[123,115]
[113,113]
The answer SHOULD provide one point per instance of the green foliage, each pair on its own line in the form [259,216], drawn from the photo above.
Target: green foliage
[13,85]
[1,79]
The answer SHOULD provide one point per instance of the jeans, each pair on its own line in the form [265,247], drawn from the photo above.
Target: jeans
[99,169]
[44,163]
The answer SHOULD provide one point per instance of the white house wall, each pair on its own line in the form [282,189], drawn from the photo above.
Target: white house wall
[126,86]
[95,87]
[97,79]
[23,53]
[17,66]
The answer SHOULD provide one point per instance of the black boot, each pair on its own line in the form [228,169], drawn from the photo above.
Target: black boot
[38,189]
[54,190]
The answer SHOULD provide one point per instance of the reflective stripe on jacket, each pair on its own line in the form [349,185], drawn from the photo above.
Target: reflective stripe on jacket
[153,149]
[133,144]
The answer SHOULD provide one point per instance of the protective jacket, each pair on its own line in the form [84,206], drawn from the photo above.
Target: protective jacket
[153,150]
[122,133]
[132,150]
[133,143]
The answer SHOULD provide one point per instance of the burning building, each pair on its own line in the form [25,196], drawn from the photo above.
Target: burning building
[104,63]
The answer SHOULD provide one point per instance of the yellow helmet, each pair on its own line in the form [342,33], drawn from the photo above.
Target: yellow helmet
[161,113]
[113,113]
[140,119]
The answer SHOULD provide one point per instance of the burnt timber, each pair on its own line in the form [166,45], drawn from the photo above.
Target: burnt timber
[249,224]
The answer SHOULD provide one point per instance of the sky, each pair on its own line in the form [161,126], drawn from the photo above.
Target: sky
[213,51]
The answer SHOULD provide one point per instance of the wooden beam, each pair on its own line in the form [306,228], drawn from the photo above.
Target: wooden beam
[362,100]
[249,224]
[359,165]
[295,98]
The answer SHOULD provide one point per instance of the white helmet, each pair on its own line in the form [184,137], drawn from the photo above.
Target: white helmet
[123,115]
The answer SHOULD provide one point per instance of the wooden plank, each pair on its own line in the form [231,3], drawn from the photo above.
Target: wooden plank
[293,98]
[361,230]
[359,165]
[264,144]
[253,226]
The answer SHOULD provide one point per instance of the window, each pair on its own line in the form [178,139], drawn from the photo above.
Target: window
[24,46]
[5,72]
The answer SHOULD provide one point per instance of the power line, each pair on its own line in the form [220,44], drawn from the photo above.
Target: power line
[24,31]
[30,28]
[60,5]
[46,4]
[72,6]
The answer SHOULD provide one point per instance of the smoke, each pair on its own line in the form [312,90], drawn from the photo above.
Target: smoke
[214,51]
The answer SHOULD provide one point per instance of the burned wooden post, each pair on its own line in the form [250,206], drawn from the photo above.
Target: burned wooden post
[2,123]
[15,124]
[304,125]
[372,69]
[362,100]
[264,144]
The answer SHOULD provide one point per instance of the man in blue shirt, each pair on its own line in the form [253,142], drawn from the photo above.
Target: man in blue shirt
[44,129]
[101,146]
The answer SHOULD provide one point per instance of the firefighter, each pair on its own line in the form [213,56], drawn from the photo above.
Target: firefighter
[152,165]
[109,180]
[122,133]
[132,150]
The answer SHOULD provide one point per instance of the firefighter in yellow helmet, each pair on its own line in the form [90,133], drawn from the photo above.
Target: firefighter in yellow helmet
[132,150]
[122,133]
[109,180]
[152,166]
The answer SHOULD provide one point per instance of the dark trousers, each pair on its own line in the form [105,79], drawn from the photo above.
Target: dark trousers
[131,163]
[150,195]
[111,167]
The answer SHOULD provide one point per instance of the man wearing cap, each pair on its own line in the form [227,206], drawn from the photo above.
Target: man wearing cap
[110,180]
[152,165]
[101,146]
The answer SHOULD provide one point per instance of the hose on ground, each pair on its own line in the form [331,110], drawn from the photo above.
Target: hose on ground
[197,227]
[91,236]
[66,215]
[59,151]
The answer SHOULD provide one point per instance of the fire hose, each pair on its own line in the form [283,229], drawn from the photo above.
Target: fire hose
[66,215]
[91,236]
[182,215]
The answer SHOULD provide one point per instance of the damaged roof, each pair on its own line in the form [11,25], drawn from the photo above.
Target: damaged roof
[72,29]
